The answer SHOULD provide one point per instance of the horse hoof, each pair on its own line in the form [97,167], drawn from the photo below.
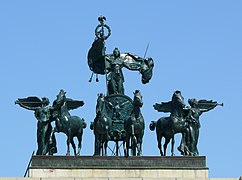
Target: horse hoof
[126,155]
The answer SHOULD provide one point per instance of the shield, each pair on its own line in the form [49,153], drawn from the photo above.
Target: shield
[96,57]
[118,109]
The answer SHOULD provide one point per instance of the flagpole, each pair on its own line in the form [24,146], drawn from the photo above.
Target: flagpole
[101,35]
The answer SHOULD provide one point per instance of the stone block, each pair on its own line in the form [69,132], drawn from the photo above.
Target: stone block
[223,178]
[125,178]
[114,162]
[91,178]
[18,178]
[112,167]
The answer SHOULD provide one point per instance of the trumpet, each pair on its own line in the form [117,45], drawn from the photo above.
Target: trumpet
[220,104]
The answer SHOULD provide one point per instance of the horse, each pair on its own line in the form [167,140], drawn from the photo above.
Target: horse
[72,126]
[100,127]
[134,127]
[167,127]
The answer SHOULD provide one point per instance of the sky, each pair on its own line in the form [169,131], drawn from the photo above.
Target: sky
[196,47]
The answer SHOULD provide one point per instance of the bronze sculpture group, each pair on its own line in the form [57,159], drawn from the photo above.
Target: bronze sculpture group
[72,126]
[118,117]
[183,120]
[45,139]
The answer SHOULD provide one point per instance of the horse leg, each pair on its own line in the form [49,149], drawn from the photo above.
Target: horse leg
[116,147]
[133,144]
[68,142]
[127,139]
[133,141]
[159,143]
[167,140]
[97,146]
[125,148]
[68,146]
[52,144]
[139,146]
[172,146]
[105,148]
[79,137]
[102,148]
[73,145]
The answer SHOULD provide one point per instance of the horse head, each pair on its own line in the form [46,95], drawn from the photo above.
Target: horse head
[177,104]
[147,70]
[100,103]
[101,117]
[178,99]
[60,100]
[61,97]
[137,101]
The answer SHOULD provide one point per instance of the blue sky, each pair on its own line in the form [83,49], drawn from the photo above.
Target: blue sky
[196,46]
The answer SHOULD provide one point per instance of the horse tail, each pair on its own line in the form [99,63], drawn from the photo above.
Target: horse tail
[84,124]
[153,125]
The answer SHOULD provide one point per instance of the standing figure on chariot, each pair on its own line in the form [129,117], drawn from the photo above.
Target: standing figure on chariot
[111,64]
[115,77]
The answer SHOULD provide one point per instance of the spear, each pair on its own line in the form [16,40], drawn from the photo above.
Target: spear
[147,47]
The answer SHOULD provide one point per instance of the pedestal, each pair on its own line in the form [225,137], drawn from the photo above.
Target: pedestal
[112,167]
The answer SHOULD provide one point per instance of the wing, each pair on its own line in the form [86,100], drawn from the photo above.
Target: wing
[206,105]
[73,104]
[163,107]
[31,102]
[96,58]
